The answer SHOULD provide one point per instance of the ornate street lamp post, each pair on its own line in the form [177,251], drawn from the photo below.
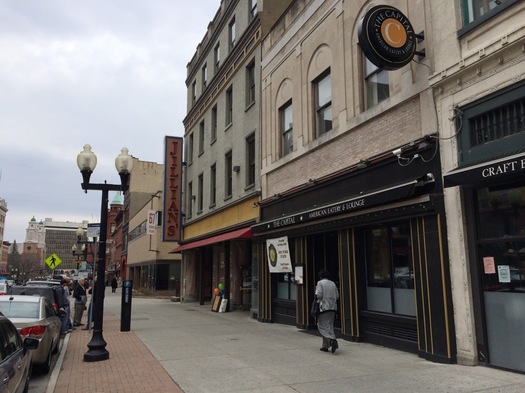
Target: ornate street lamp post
[87,161]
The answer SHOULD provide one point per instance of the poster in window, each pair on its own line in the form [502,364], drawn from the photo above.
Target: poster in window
[504,273]
[489,266]
[279,260]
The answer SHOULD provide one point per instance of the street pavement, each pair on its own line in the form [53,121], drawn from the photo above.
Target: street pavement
[185,347]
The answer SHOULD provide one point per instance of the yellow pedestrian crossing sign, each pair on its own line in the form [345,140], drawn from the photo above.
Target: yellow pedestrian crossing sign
[53,261]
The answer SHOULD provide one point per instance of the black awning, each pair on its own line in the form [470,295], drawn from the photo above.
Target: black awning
[357,202]
[496,170]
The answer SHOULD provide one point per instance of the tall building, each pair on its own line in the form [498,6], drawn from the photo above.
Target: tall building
[222,155]
[350,175]
[59,238]
[478,83]
[145,257]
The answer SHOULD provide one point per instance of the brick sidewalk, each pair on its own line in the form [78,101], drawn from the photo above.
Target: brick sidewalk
[130,368]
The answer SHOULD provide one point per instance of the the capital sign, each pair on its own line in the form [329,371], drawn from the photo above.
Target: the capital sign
[386,37]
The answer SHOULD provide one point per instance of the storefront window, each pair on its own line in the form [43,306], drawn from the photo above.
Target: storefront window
[390,277]
[501,228]
[286,286]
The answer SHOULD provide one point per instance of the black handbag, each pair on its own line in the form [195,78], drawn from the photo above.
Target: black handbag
[314,310]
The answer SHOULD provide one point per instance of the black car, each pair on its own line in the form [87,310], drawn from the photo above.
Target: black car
[53,292]
[15,358]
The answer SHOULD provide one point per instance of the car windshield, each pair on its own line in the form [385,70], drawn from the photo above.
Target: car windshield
[19,309]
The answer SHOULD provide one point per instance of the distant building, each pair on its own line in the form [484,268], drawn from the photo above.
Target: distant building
[59,238]
[35,241]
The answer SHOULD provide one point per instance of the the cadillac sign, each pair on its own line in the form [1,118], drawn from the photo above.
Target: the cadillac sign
[386,37]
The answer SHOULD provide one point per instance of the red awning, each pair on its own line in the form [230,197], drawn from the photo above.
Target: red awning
[244,233]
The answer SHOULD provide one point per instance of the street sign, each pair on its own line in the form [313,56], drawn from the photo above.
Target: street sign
[53,261]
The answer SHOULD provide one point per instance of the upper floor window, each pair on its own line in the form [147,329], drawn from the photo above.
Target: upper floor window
[475,9]
[376,84]
[213,124]
[228,176]
[201,137]
[189,153]
[286,116]
[493,126]
[250,84]
[217,56]
[204,76]
[200,196]
[229,106]
[323,103]
[193,92]
[250,160]
[231,29]
[253,10]
[213,185]
[189,207]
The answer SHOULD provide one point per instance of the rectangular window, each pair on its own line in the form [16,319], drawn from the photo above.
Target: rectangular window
[229,106]
[204,76]
[389,271]
[492,125]
[253,10]
[250,84]
[376,84]
[323,103]
[231,30]
[476,9]
[189,153]
[201,137]
[193,92]
[250,160]
[217,56]
[213,185]
[189,208]
[286,116]
[228,176]
[200,195]
[214,123]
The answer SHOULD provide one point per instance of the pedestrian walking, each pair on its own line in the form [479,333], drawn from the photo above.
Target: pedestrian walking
[62,306]
[114,284]
[327,295]
[67,295]
[80,295]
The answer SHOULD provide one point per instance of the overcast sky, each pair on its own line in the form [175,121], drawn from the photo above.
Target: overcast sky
[110,73]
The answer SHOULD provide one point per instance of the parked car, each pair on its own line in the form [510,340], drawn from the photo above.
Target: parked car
[51,292]
[49,283]
[34,317]
[3,288]
[15,358]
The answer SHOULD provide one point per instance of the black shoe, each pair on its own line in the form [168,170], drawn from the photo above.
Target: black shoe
[334,345]
[324,349]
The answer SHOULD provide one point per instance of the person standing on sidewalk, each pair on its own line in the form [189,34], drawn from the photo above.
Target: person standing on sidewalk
[80,295]
[327,295]
[114,284]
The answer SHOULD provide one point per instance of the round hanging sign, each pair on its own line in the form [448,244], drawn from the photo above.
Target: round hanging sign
[387,37]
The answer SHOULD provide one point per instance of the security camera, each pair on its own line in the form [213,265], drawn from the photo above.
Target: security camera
[397,152]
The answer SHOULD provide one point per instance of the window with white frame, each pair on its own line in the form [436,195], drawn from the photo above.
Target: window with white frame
[231,30]
[323,103]
[250,83]
[217,56]
[189,206]
[286,119]
[200,191]
[253,10]
[476,9]
[193,92]
[228,176]
[213,131]
[229,106]
[201,137]
[189,149]
[250,160]
[213,185]
[376,84]
[204,76]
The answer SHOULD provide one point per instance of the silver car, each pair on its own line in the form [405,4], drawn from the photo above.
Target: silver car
[34,317]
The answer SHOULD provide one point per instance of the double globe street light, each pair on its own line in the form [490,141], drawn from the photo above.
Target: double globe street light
[87,161]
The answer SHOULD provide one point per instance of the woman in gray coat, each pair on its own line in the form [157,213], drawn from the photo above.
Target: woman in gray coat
[327,295]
